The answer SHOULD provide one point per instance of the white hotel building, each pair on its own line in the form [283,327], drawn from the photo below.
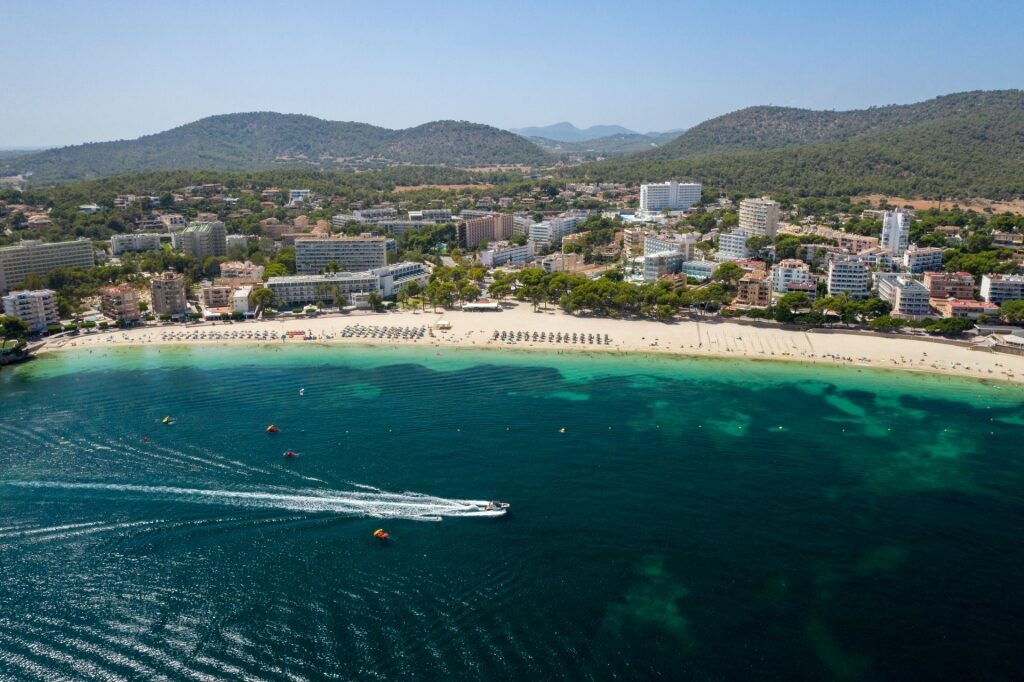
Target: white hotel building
[999,288]
[355,254]
[123,243]
[674,196]
[848,276]
[896,231]
[37,309]
[386,282]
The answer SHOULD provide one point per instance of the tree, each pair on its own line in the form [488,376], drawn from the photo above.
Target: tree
[261,298]
[331,266]
[728,274]
[374,300]
[12,328]
[1012,311]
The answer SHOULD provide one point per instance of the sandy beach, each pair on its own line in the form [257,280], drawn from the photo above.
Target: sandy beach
[540,330]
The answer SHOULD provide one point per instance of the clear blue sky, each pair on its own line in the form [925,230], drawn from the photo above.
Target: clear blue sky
[99,70]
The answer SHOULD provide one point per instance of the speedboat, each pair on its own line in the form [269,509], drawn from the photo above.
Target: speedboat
[289,454]
[496,506]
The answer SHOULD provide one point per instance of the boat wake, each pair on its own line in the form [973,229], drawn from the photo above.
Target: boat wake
[374,504]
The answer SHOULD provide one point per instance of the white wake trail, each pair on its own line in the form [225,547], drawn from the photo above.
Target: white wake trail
[379,504]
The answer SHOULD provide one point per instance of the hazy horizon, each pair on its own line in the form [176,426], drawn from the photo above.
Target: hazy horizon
[121,71]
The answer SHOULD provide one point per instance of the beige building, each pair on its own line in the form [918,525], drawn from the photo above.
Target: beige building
[950,285]
[476,231]
[37,309]
[242,271]
[168,291]
[759,216]
[205,239]
[754,289]
[33,256]
[120,303]
[216,296]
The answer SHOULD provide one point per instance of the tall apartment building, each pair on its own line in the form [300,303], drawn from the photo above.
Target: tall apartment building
[37,309]
[999,288]
[674,196]
[354,254]
[476,231]
[789,271]
[120,303]
[896,231]
[205,239]
[733,245]
[123,243]
[168,293]
[438,215]
[754,289]
[918,259]
[848,276]
[759,216]
[958,285]
[34,256]
[908,297]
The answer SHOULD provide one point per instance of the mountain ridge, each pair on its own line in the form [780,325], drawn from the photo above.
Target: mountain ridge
[256,140]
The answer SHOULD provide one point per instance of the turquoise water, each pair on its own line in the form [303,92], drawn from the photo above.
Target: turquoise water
[695,520]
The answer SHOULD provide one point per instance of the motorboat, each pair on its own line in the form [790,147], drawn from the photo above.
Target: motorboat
[496,506]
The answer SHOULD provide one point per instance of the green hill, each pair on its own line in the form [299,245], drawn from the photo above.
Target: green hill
[962,145]
[253,141]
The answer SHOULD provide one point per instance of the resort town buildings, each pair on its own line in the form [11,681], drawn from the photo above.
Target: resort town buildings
[385,282]
[355,254]
[120,303]
[999,288]
[37,309]
[754,289]
[908,297]
[848,276]
[204,239]
[759,217]
[123,243]
[502,252]
[733,245]
[896,231]
[168,293]
[674,196]
[34,256]
[922,259]
[787,271]
[950,285]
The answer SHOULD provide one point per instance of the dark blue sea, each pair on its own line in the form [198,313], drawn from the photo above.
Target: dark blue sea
[670,519]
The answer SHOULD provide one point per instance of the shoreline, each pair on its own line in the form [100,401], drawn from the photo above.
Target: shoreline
[693,339]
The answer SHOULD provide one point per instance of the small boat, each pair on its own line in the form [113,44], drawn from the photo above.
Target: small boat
[166,420]
[272,429]
[381,534]
[496,506]
[289,454]
[302,391]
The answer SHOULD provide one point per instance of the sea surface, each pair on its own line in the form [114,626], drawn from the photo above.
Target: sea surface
[671,518]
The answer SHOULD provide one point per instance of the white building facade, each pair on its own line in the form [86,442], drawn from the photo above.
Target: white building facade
[675,196]
[37,309]
[759,217]
[896,231]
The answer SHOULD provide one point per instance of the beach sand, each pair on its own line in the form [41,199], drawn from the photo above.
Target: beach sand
[711,338]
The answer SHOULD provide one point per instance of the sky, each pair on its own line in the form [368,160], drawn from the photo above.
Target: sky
[78,72]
